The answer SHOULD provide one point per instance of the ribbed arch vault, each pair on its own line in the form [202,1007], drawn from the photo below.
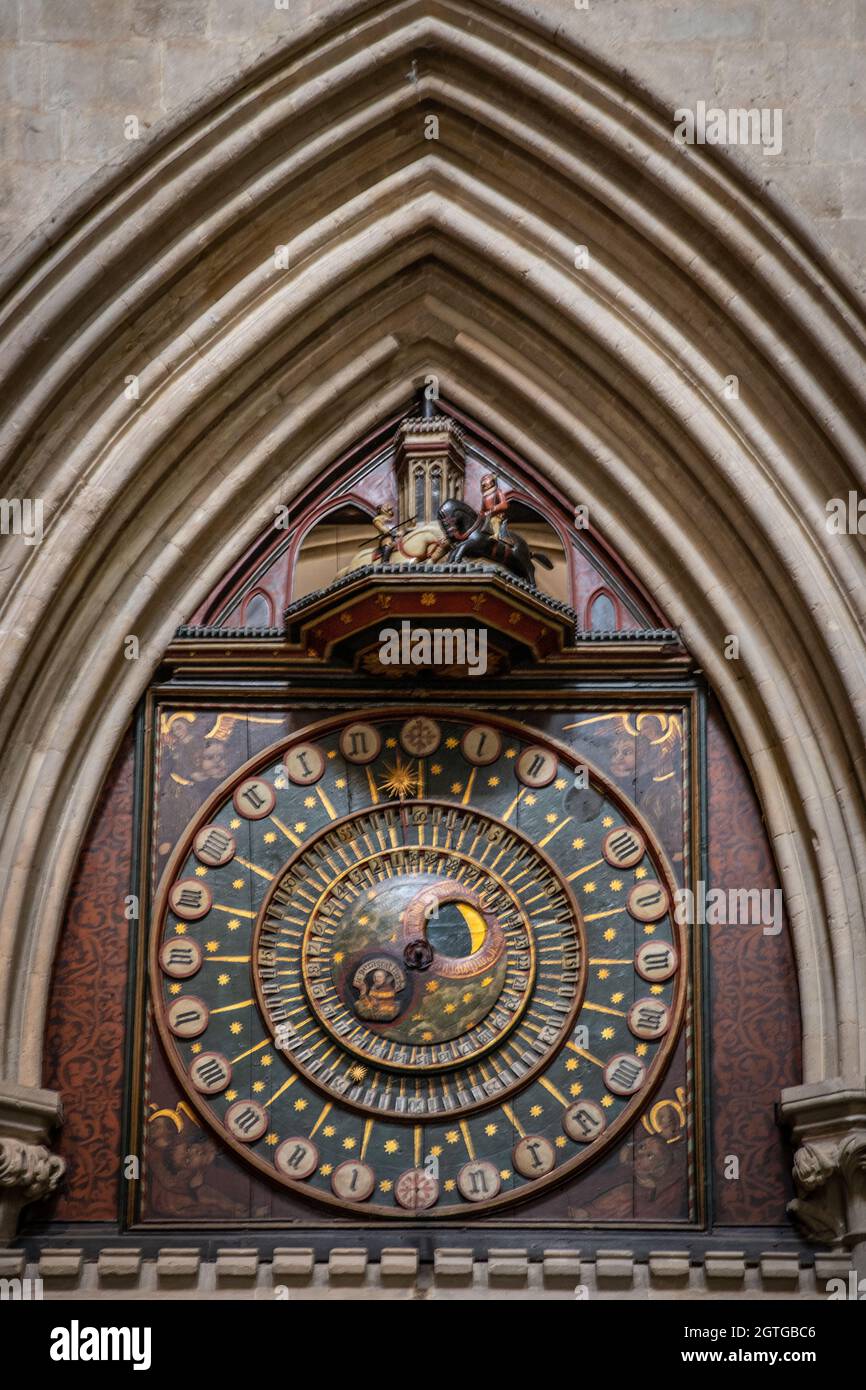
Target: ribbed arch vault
[453,256]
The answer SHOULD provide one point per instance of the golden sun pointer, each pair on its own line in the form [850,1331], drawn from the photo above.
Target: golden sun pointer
[400,780]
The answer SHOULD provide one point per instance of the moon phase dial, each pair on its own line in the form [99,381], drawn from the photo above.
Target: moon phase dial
[398,972]
[418,955]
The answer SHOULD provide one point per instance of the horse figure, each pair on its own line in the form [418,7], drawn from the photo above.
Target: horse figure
[414,546]
[472,539]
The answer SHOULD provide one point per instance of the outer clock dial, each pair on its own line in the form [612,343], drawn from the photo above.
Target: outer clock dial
[398,969]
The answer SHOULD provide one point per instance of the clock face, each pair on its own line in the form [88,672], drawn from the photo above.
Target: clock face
[418,961]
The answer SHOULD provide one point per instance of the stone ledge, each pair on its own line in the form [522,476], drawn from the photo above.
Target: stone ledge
[119,1264]
[454,1273]
[60,1264]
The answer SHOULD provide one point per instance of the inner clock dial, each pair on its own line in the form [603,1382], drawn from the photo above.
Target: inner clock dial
[406,936]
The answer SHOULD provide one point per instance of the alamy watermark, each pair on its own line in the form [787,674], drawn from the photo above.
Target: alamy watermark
[434,646]
[730,907]
[713,125]
[22,516]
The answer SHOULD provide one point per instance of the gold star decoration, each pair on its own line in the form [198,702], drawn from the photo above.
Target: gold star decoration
[490,1130]
[233,924]
[236,1028]
[329,1131]
[391,1146]
[180,928]
[237,883]
[272,1139]
[400,780]
[211,945]
[607,1034]
[223,979]
[535,1111]
[607,1102]
[300,1103]
[452,1136]
[610,934]
[578,843]
[451,742]
[258,1086]
[349,1142]
[575,1088]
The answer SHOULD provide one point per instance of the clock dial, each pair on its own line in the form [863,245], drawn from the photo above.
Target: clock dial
[404,964]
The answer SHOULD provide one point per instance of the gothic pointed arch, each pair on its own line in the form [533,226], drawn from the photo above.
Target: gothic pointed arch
[189,342]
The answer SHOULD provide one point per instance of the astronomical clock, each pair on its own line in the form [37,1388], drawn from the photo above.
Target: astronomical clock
[407,821]
[422,796]
[405,831]
[426,921]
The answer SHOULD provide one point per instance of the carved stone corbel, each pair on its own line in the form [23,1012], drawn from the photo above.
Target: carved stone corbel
[28,1168]
[828,1123]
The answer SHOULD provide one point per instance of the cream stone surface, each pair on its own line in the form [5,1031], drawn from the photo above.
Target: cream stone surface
[452,256]
[76,71]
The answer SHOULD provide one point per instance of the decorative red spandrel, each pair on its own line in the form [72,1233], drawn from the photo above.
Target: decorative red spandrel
[754,1003]
[87,1028]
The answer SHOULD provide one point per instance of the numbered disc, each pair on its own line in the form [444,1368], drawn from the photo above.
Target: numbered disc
[647,902]
[649,1018]
[187,1017]
[214,846]
[584,1121]
[536,767]
[190,899]
[353,1181]
[623,847]
[624,1074]
[304,765]
[481,745]
[533,1156]
[210,1072]
[478,1181]
[180,959]
[297,1158]
[656,961]
[254,798]
[246,1120]
[360,743]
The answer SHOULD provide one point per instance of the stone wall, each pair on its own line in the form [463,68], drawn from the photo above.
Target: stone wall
[71,72]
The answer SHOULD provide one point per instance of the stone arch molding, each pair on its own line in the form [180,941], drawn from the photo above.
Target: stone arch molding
[454,256]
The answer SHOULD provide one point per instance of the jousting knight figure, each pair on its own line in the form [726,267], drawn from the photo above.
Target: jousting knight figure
[494,506]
